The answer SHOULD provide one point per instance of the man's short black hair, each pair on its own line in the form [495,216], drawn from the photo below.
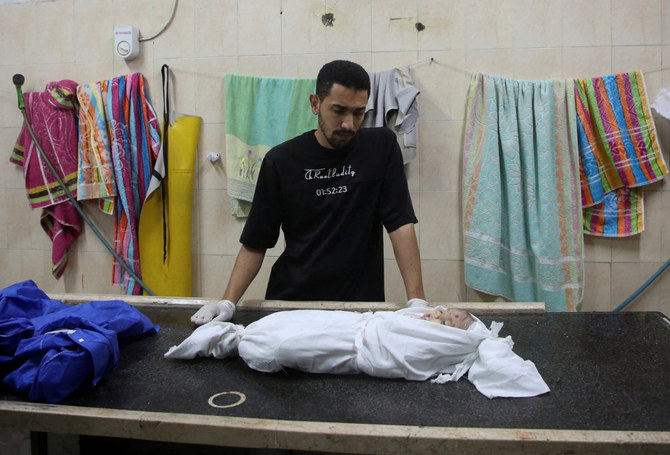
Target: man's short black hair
[343,72]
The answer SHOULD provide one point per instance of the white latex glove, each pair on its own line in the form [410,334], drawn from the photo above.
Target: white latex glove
[414,303]
[222,310]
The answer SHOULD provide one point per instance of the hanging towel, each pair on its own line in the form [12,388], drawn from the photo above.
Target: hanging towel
[135,142]
[393,104]
[95,173]
[522,212]
[62,223]
[618,150]
[53,117]
[261,112]
[620,214]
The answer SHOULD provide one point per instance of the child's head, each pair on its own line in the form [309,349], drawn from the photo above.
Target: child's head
[451,317]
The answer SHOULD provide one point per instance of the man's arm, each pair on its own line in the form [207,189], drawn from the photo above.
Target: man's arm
[247,265]
[406,250]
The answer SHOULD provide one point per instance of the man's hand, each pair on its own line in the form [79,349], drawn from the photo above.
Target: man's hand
[413,303]
[222,310]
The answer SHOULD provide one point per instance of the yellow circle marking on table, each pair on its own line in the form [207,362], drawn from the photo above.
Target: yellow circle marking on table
[242,399]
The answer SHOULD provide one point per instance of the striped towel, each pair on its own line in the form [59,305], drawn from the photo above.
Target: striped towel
[618,150]
[622,211]
[261,112]
[522,214]
[95,173]
[52,115]
[135,144]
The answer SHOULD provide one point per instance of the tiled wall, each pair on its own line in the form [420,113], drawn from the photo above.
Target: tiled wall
[524,39]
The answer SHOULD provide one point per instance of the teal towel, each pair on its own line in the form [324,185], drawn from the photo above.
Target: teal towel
[521,195]
[261,112]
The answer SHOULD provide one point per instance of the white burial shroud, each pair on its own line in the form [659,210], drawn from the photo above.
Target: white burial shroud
[391,344]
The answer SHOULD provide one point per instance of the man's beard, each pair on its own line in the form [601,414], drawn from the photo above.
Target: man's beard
[338,138]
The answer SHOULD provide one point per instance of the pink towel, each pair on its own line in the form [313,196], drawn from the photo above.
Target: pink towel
[53,117]
[62,223]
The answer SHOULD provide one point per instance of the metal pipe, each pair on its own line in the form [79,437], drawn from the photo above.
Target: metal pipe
[643,287]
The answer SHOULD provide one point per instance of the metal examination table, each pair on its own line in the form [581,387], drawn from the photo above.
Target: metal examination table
[608,374]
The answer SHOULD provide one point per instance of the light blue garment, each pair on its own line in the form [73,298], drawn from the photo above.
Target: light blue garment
[521,195]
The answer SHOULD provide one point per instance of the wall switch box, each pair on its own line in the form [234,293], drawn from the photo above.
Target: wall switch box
[127,42]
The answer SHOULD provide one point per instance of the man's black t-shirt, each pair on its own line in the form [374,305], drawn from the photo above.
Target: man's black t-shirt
[331,205]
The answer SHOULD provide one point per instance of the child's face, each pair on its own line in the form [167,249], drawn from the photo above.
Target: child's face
[452,317]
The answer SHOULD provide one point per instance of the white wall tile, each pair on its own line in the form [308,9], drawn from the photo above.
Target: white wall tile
[12,37]
[597,295]
[444,22]
[636,23]
[443,83]
[384,61]
[90,273]
[94,34]
[440,225]
[39,32]
[210,99]
[351,31]
[265,66]
[536,64]
[215,28]
[665,17]
[219,232]
[393,25]
[444,281]
[303,65]
[586,23]
[489,24]
[303,31]
[259,27]
[583,62]
[440,157]
[541,21]
[178,38]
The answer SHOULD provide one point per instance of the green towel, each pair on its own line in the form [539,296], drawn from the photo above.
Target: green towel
[261,112]
[521,197]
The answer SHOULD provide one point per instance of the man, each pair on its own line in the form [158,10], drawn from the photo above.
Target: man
[330,190]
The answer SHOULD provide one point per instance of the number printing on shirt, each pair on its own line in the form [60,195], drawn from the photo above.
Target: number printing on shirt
[331,190]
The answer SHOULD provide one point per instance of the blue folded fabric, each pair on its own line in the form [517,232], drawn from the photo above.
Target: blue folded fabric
[52,349]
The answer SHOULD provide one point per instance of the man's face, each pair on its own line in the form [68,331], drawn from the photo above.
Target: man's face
[340,115]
